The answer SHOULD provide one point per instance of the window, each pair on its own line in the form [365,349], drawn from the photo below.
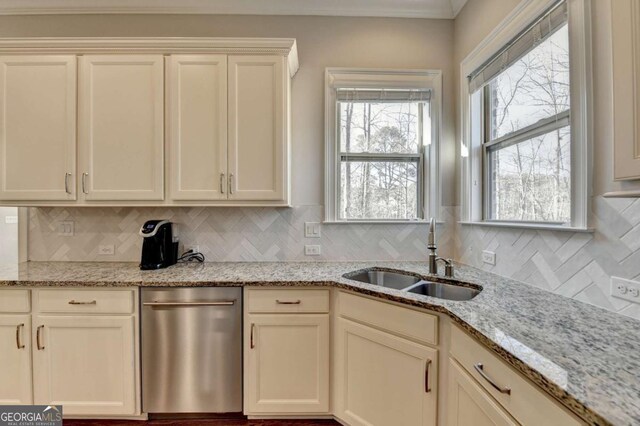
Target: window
[522,122]
[381,133]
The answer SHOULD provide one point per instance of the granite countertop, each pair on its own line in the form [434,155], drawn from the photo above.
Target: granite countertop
[586,357]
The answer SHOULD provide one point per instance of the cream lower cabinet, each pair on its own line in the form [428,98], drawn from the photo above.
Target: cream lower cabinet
[85,363]
[287,364]
[15,359]
[469,404]
[384,379]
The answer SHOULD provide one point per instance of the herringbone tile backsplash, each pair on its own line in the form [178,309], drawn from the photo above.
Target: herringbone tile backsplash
[577,265]
[226,234]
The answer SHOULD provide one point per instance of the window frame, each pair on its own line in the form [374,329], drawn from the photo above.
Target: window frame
[428,169]
[474,176]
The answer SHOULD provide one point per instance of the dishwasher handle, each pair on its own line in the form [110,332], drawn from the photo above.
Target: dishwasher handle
[188,304]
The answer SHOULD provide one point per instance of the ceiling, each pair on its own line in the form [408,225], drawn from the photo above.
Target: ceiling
[440,9]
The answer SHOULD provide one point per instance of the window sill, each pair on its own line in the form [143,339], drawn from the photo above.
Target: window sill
[379,222]
[533,226]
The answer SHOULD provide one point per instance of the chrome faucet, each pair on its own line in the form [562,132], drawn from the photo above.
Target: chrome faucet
[433,255]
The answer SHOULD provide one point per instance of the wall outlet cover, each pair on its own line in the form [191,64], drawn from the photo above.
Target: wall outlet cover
[312,250]
[312,229]
[106,250]
[11,219]
[66,228]
[622,288]
[489,257]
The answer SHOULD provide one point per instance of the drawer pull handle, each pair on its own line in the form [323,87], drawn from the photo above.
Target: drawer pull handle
[222,185]
[427,389]
[253,326]
[480,369]
[38,330]
[284,302]
[187,304]
[84,183]
[73,302]
[66,183]
[18,339]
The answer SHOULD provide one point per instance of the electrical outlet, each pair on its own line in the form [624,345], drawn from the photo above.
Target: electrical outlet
[312,229]
[625,289]
[66,228]
[11,219]
[194,249]
[106,250]
[310,250]
[489,257]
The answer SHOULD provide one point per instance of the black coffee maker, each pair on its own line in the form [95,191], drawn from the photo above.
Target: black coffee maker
[158,248]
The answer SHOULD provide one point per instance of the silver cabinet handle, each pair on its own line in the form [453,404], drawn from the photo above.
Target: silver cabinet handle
[222,185]
[73,302]
[66,182]
[84,183]
[231,183]
[283,302]
[39,346]
[427,389]
[172,304]
[480,369]
[19,343]
[253,326]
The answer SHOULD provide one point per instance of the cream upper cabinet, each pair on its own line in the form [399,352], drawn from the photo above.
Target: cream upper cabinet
[86,363]
[383,379]
[470,405]
[626,88]
[198,127]
[258,127]
[15,359]
[287,368]
[121,127]
[37,128]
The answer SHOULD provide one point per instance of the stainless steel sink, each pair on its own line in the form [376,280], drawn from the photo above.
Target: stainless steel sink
[385,279]
[444,291]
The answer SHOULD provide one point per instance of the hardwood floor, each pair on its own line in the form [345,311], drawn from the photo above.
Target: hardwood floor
[202,422]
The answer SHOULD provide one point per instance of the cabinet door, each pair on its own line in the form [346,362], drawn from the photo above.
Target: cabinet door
[257,127]
[384,379]
[469,404]
[625,15]
[37,128]
[121,127]
[15,359]
[198,123]
[287,367]
[85,363]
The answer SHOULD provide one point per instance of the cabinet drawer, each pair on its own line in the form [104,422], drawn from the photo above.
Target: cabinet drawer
[287,300]
[85,301]
[525,402]
[404,322]
[14,301]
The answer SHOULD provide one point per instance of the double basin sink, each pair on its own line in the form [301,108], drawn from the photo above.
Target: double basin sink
[412,284]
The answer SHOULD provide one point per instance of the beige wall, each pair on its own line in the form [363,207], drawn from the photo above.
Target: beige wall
[322,42]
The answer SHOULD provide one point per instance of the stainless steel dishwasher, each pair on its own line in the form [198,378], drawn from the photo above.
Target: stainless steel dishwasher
[192,350]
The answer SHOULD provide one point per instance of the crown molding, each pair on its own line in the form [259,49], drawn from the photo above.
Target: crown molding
[438,9]
[163,45]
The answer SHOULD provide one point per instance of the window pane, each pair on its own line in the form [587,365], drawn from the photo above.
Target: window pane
[531,180]
[379,127]
[534,88]
[379,190]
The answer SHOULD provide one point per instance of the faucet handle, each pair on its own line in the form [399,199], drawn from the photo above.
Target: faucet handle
[448,267]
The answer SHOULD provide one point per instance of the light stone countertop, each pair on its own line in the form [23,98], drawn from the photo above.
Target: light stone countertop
[586,357]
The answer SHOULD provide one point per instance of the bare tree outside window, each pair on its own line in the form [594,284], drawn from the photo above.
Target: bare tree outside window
[381,158]
[528,137]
